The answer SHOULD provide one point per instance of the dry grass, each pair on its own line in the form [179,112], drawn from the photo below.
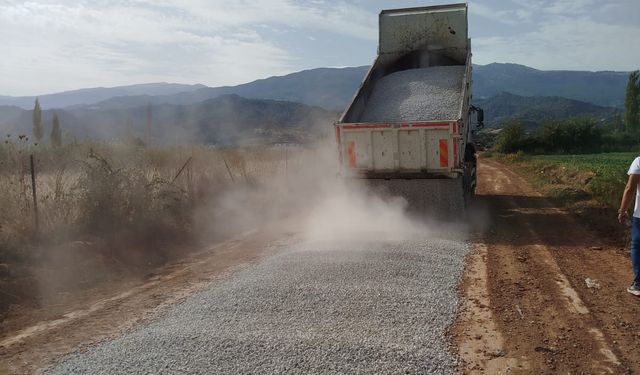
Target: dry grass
[109,208]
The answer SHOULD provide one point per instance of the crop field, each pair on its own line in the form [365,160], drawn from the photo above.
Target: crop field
[607,173]
[600,176]
[601,164]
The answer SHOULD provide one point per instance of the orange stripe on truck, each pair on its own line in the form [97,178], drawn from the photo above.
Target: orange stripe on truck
[444,153]
[455,153]
[351,153]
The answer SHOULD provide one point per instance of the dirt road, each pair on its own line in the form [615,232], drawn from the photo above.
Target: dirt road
[528,307]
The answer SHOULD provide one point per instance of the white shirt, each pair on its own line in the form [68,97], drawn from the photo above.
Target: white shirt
[635,169]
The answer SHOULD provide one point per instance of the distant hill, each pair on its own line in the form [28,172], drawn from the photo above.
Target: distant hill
[333,88]
[601,88]
[329,88]
[231,119]
[534,110]
[10,113]
[228,119]
[94,95]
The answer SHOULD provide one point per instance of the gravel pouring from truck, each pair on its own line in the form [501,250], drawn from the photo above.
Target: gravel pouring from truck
[408,130]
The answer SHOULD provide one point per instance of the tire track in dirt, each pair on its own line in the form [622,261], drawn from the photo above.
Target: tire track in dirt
[482,344]
[582,253]
[546,319]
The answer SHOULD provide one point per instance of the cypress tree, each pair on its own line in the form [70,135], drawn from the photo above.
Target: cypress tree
[632,102]
[38,132]
[56,132]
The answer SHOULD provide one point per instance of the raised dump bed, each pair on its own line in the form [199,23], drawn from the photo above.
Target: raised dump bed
[410,118]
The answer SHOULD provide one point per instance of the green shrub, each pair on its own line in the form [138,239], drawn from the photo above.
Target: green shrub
[575,135]
[510,138]
[617,141]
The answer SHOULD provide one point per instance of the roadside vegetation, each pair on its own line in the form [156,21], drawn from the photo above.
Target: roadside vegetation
[581,163]
[573,159]
[577,157]
[566,136]
[589,186]
[573,178]
[107,210]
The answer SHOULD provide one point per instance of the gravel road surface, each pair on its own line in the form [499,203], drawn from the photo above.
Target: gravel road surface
[316,307]
[433,93]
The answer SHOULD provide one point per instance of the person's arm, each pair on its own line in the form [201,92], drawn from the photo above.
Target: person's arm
[627,197]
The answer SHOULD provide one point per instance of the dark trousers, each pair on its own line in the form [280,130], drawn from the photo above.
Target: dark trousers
[635,248]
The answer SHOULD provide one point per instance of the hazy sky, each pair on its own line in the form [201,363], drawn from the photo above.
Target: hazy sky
[62,45]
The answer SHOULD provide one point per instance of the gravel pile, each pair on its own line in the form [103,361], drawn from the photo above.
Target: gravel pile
[321,307]
[433,93]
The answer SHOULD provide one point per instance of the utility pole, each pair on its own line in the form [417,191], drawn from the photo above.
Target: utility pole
[35,197]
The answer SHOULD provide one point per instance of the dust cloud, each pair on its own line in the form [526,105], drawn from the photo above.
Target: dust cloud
[313,201]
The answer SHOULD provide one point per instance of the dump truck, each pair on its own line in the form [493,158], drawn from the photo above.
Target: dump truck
[408,129]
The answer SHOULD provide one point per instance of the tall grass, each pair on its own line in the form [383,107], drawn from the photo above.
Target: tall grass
[132,204]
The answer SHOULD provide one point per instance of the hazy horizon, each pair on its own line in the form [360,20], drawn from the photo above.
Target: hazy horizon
[285,74]
[59,46]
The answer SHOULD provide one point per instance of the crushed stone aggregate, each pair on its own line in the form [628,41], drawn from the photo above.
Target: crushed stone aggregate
[424,94]
[322,307]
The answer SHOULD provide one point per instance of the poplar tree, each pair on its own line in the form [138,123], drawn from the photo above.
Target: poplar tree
[56,132]
[632,102]
[38,132]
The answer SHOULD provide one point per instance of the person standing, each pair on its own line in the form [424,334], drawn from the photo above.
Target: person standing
[630,190]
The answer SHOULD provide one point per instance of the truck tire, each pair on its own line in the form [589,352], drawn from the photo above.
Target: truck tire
[470,175]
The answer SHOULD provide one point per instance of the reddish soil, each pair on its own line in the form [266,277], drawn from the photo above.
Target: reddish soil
[528,308]
[32,339]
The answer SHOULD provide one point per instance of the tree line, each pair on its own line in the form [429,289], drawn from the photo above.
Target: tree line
[578,135]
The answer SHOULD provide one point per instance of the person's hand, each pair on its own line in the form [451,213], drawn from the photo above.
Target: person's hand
[623,217]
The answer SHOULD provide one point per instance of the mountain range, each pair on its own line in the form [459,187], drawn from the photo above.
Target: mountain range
[333,88]
[534,110]
[278,108]
[95,95]
[602,88]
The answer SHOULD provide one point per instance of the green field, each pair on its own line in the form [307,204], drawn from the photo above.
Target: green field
[601,164]
[600,176]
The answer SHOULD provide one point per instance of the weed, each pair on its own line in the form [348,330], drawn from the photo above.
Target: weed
[125,202]
[601,176]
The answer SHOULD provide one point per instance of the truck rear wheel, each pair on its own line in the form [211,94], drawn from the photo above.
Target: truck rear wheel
[470,175]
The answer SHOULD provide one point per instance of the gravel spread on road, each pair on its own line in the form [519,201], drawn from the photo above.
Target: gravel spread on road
[425,94]
[319,307]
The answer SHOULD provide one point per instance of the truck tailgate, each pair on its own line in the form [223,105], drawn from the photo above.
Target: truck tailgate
[401,150]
